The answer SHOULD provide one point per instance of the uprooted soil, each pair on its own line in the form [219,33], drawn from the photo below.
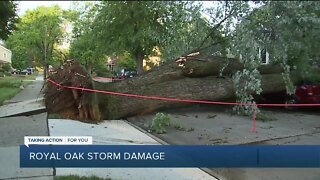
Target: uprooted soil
[72,104]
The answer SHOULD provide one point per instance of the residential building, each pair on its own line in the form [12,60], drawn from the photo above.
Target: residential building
[5,55]
[262,54]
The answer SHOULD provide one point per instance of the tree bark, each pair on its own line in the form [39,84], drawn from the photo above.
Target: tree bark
[89,67]
[201,66]
[198,66]
[197,79]
[139,58]
[206,88]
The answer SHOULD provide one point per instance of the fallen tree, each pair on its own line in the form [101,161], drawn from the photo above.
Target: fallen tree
[195,77]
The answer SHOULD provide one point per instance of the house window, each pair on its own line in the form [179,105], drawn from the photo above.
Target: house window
[264,56]
[5,55]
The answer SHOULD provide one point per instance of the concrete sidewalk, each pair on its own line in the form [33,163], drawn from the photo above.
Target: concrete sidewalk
[23,107]
[29,99]
[117,132]
[32,91]
[13,130]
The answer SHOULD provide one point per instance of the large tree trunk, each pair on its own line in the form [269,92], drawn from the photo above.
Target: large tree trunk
[139,58]
[206,88]
[201,66]
[196,78]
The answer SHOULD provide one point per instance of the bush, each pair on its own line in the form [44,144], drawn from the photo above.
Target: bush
[126,61]
[6,67]
[160,122]
[7,74]
[102,71]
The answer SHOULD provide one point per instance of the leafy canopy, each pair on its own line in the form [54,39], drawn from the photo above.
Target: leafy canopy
[138,27]
[83,45]
[39,30]
[8,18]
[289,33]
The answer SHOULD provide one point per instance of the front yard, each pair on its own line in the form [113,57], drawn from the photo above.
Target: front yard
[10,85]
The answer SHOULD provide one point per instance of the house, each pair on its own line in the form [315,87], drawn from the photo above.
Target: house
[5,55]
[262,54]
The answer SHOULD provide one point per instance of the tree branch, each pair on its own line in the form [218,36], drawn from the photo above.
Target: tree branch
[199,48]
[212,44]
[216,27]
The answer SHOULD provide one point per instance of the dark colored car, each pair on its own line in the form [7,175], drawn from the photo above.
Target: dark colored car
[15,71]
[124,75]
[26,71]
[129,74]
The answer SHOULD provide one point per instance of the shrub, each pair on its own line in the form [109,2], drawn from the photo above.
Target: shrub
[160,122]
[102,71]
[7,74]
[6,67]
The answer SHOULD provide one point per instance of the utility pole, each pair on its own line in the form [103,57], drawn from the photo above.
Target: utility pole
[45,53]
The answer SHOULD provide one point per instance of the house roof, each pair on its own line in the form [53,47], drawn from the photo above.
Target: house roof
[1,46]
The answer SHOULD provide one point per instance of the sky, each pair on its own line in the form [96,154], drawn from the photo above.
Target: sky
[23,6]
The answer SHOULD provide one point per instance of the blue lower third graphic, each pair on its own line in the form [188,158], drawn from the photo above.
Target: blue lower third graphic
[169,156]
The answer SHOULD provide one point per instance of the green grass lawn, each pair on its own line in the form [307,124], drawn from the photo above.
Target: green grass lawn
[7,93]
[10,85]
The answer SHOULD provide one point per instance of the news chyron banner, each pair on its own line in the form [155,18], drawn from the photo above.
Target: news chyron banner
[76,151]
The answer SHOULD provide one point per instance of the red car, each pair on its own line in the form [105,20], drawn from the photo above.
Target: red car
[306,94]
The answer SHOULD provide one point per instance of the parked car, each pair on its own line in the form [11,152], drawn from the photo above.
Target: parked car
[15,71]
[26,71]
[307,93]
[129,74]
[125,74]
[31,69]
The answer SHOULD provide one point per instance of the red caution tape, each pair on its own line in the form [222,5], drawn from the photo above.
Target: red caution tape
[182,100]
